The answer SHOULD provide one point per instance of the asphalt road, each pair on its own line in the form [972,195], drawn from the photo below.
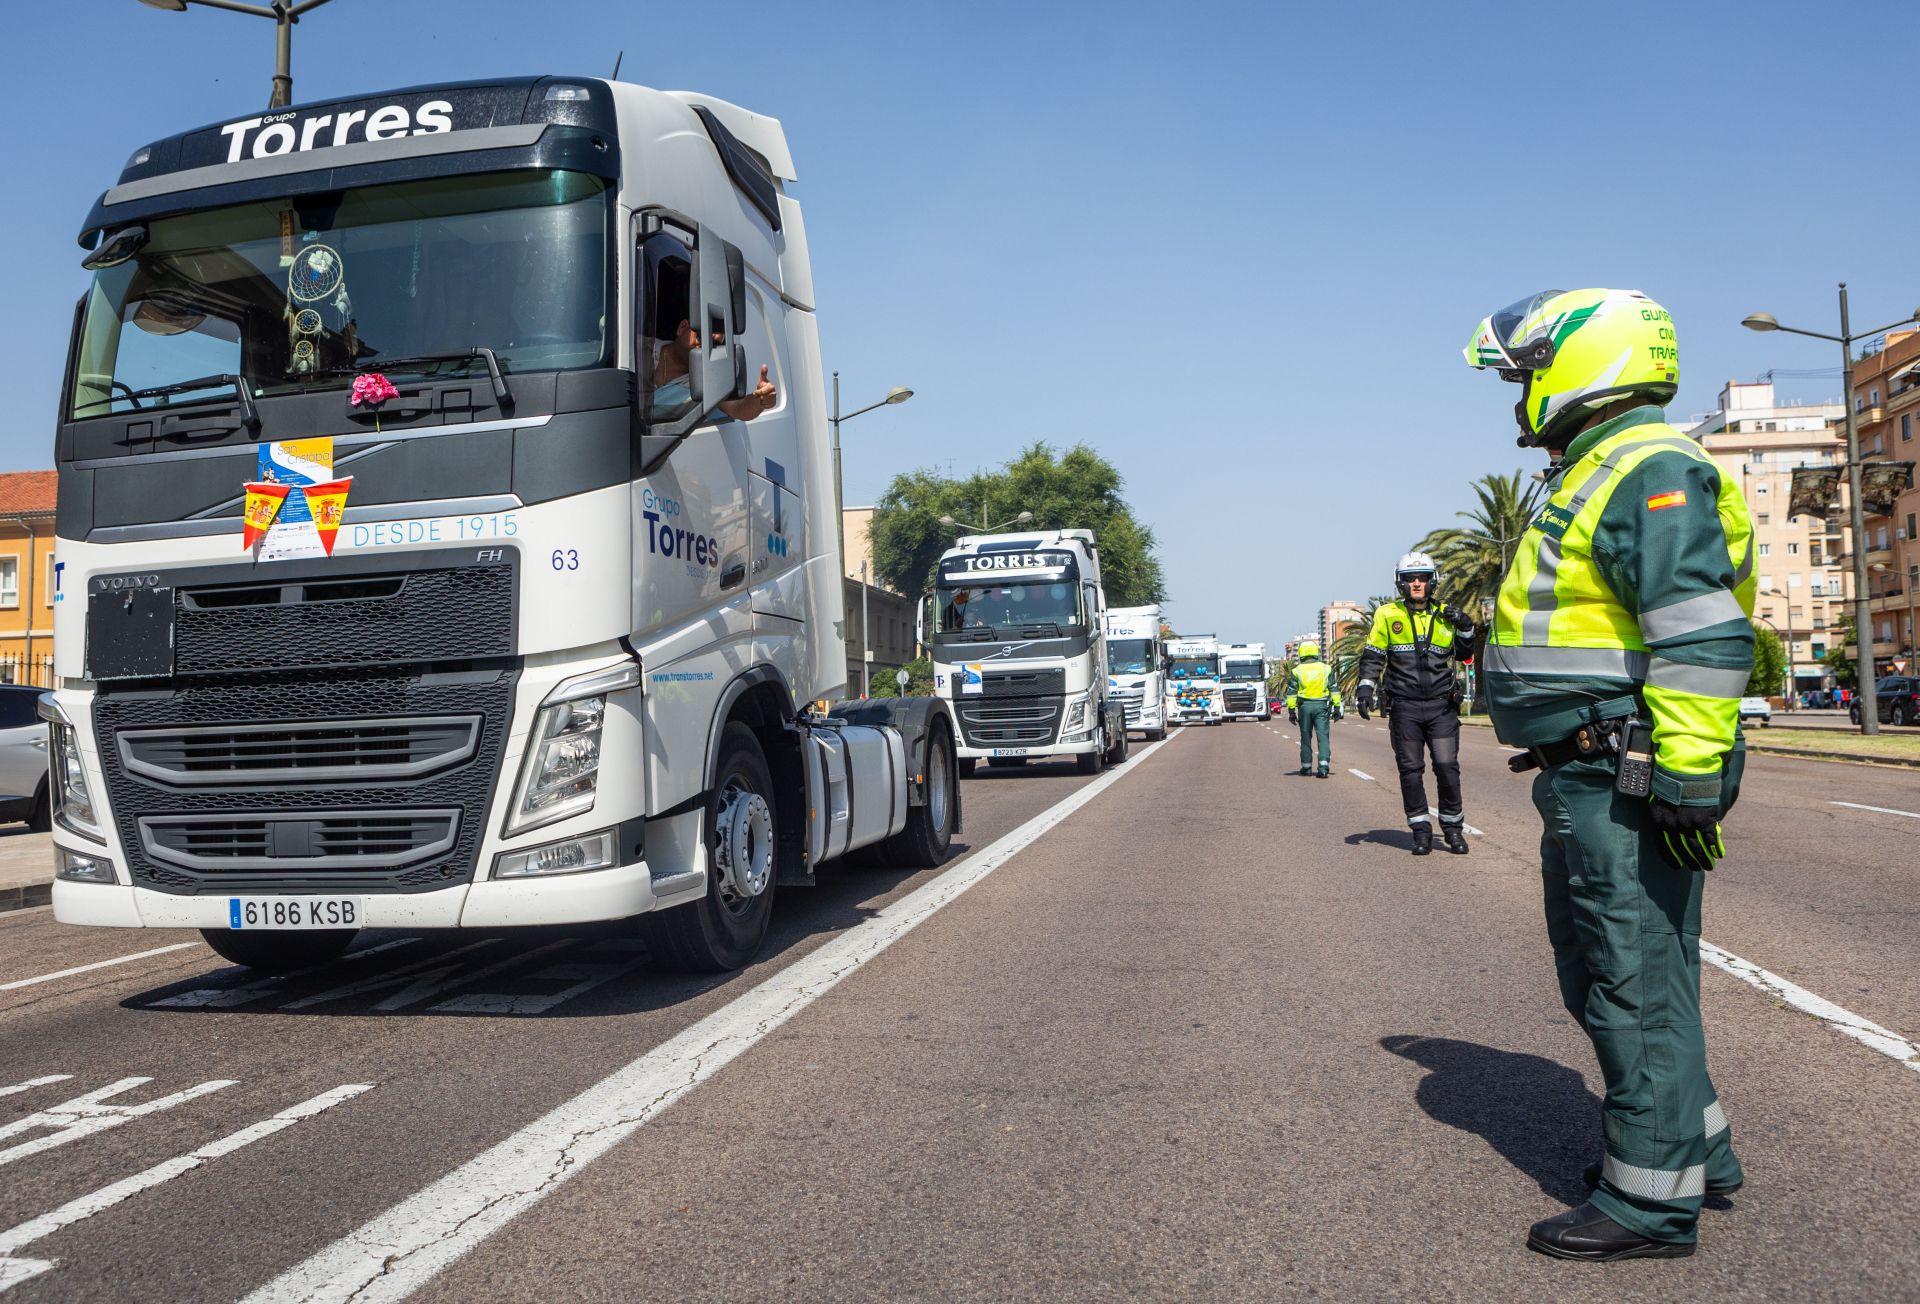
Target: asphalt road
[1212,1034]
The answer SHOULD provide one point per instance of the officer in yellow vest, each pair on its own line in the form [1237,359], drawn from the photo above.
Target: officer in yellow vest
[1621,644]
[1313,701]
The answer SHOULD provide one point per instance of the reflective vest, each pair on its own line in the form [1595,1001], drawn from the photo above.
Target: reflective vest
[1410,654]
[1312,680]
[1632,587]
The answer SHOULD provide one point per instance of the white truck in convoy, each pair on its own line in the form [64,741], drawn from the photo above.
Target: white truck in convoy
[1243,681]
[1017,633]
[1136,668]
[1194,670]
[430,553]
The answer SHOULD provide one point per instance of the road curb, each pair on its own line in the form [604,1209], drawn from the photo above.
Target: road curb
[25,896]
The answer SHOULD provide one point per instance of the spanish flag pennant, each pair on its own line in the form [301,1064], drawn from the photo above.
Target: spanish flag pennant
[328,503]
[1672,498]
[262,505]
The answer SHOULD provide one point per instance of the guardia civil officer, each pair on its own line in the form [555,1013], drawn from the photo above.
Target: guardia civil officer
[1313,702]
[1413,646]
[1621,645]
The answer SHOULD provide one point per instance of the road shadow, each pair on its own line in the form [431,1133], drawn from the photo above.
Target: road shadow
[1536,1114]
[1399,839]
[575,971]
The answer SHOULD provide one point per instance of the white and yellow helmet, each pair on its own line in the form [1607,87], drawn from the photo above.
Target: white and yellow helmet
[1309,650]
[1576,351]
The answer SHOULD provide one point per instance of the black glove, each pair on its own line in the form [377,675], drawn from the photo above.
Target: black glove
[1689,835]
[1363,698]
[1338,711]
[1293,717]
[1458,619]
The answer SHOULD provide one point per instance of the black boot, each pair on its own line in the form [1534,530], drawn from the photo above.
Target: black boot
[1321,774]
[1592,1178]
[1423,839]
[1586,1233]
[1454,837]
[1304,770]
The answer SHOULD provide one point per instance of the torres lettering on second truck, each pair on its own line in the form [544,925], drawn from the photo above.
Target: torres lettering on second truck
[1194,668]
[1019,649]
[528,640]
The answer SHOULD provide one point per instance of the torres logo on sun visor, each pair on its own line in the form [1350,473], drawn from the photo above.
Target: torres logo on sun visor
[350,122]
[989,562]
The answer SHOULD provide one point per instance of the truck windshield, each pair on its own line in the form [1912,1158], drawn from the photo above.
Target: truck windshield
[1242,670]
[1129,656]
[1196,667]
[291,293]
[1007,606]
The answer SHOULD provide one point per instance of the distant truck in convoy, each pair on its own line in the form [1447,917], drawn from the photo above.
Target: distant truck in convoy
[1017,632]
[1243,681]
[429,552]
[1136,668]
[1194,670]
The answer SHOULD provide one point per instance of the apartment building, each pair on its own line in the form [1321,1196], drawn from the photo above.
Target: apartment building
[1336,618]
[1800,563]
[1886,405]
[29,583]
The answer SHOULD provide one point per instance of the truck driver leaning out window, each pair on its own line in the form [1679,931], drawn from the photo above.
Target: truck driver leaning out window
[670,384]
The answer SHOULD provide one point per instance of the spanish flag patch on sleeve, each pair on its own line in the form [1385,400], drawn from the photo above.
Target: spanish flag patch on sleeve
[1672,498]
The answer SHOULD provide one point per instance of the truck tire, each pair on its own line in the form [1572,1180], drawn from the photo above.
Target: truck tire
[967,764]
[923,843]
[1090,762]
[279,952]
[40,818]
[1118,753]
[725,929]
[1157,735]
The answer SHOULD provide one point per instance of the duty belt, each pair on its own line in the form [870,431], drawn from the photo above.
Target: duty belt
[1602,739]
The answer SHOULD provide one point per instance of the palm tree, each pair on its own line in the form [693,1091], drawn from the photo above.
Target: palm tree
[1472,559]
[1343,654]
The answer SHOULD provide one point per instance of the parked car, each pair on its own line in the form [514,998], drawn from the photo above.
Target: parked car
[1276,706]
[23,757]
[1756,708]
[1898,700]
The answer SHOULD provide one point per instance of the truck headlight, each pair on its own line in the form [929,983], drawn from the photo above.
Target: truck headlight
[560,773]
[71,799]
[1076,713]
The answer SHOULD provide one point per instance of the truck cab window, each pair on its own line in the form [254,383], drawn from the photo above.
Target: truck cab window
[662,343]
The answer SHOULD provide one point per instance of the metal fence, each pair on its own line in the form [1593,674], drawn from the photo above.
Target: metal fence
[20,670]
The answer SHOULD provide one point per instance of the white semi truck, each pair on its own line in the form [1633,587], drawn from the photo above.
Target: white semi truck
[1243,681]
[430,554]
[1018,639]
[1136,668]
[1194,670]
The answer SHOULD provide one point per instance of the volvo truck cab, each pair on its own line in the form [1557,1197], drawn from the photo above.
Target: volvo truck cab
[1136,668]
[431,553]
[1018,638]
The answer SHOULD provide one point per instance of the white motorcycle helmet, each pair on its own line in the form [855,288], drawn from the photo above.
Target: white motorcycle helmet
[1413,566]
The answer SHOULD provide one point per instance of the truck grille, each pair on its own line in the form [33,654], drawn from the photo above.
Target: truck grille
[308,752]
[1241,699]
[1023,683]
[299,840]
[189,826]
[1021,723]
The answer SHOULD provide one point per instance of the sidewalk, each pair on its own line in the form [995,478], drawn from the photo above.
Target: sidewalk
[26,867]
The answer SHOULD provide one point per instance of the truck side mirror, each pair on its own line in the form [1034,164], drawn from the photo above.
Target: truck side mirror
[717,365]
[920,622]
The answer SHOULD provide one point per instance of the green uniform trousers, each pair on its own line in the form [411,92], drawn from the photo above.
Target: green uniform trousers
[1316,716]
[1625,927]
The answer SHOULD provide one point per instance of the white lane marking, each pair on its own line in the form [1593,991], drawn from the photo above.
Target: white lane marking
[1478,833]
[1360,774]
[13,1271]
[1878,810]
[1845,1021]
[402,1249]
[221,998]
[88,1114]
[31,1083]
[97,964]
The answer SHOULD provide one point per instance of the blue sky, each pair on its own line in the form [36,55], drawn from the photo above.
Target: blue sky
[1235,247]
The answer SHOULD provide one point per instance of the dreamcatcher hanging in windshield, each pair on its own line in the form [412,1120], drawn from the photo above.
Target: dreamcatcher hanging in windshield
[316,278]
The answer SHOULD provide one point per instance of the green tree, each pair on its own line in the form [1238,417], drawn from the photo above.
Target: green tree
[1280,679]
[919,680]
[1769,662]
[1344,654]
[1075,490]
[1473,558]
[1839,661]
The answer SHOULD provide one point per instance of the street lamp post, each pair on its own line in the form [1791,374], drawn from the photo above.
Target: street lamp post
[895,395]
[983,527]
[1856,516]
[285,13]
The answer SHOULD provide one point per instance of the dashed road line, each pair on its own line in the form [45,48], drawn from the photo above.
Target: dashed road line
[97,964]
[1478,833]
[31,1083]
[402,1249]
[1878,810]
[1361,774]
[92,1113]
[13,1270]
[1843,1021]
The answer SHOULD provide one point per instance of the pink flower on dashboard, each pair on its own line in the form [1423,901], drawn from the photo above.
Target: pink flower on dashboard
[373,389]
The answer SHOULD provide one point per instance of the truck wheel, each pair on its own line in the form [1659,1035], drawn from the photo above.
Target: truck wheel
[40,818]
[280,952]
[1090,762]
[923,842]
[724,929]
[1119,752]
[967,764]
[1157,735]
